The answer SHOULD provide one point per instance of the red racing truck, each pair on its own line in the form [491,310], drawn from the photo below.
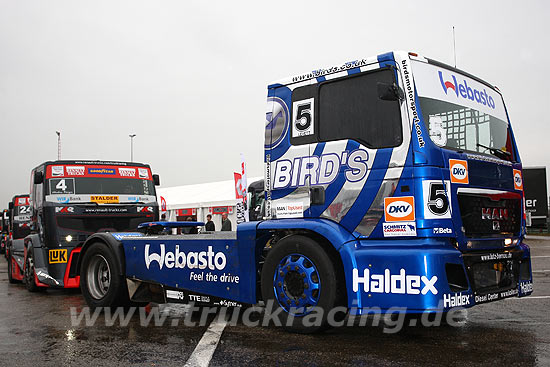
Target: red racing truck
[71,200]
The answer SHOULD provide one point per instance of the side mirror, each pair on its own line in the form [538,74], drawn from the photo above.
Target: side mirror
[24,231]
[10,205]
[317,195]
[390,92]
[156,180]
[38,178]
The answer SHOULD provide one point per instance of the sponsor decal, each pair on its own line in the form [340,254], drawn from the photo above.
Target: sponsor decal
[456,300]
[303,122]
[276,121]
[127,172]
[494,213]
[459,171]
[462,90]
[121,235]
[175,294]
[399,229]
[332,70]
[289,210]
[143,173]
[526,287]
[518,180]
[496,256]
[57,256]
[58,171]
[321,170]
[42,274]
[409,91]
[496,296]
[22,201]
[442,230]
[199,298]
[76,170]
[181,259]
[399,209]
[104,199]
[401,283]
[64,209]
[144,209]
[101,171]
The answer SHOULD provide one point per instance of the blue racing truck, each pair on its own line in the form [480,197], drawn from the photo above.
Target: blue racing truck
[391,181]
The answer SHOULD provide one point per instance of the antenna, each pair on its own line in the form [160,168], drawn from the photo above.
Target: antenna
[454,44]
[58,145]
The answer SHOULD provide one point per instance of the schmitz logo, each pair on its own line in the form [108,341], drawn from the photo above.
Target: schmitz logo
[399,229]
[127,172]
[76,170]
[192,260]
[459,171]
[399,209]
[397,283]
[464,91]
[518,181]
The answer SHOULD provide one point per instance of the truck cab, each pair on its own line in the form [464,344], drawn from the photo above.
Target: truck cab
[71,200]
[18,228]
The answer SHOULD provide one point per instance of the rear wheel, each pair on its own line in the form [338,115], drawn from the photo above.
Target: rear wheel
[100,279]
[299,278]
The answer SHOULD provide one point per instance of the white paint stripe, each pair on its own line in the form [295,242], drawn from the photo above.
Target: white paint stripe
[204,351]
[541,271]
[530,297]
[540,256]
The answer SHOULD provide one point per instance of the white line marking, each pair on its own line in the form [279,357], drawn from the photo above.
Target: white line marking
[204,351]
[541,271]
[541,256]
[531,297]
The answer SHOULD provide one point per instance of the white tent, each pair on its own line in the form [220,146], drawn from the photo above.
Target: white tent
[202,198]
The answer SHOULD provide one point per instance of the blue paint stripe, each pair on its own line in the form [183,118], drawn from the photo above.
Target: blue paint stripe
[354,71]
[364,201]
[386,59]
[321,79]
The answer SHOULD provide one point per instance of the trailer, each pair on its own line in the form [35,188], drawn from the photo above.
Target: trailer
[392,181]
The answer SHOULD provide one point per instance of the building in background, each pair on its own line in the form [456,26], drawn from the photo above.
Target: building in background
[197,201]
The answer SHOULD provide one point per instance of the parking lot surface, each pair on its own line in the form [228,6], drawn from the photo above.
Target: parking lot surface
[40,330]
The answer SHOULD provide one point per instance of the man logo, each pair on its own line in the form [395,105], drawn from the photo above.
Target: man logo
[459,171]
[58,256]
[399,209]
[518,181]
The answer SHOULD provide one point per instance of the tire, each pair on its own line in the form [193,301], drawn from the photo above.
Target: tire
[100,282]
[28,275]
[299,273]
[10,277]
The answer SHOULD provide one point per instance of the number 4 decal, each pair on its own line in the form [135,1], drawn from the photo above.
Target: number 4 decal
[303,121]
[437,199]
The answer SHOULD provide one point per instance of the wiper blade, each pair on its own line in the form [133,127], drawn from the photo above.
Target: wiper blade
[502,154]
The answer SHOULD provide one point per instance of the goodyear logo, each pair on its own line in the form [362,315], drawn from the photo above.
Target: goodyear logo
[101,171]
[58,256]
[104,199]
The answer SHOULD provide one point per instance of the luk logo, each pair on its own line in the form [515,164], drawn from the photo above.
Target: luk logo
[459,171]
[518,181]
[464,91]
[397,283]
[192,260]
[399,209]
[57,256]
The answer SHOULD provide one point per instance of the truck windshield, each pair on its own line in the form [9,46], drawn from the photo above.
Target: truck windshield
[461,113]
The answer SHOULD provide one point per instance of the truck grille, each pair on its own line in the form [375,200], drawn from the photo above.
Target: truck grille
[490,215]
[97,224]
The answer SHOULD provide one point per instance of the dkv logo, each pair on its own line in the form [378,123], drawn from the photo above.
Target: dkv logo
[399,209]
[459,171]
[518,181]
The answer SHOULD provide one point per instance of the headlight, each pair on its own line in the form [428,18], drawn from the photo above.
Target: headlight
[69,238]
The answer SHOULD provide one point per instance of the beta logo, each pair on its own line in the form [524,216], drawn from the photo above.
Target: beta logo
[518,181]
[399,209]
[459,171]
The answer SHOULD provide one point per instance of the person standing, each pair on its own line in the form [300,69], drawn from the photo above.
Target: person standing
[209,226]
[226,223]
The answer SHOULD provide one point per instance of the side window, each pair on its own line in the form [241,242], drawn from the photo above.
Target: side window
[350,108]
[37,192]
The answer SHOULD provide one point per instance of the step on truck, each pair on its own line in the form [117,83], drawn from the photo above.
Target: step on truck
[71,200]
[18,227]
[392,181]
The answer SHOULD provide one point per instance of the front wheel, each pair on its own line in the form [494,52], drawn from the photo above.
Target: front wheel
[299,278]
[11,279]
[100,280]
[29,275]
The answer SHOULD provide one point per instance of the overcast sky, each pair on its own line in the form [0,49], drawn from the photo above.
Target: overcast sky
[189,77]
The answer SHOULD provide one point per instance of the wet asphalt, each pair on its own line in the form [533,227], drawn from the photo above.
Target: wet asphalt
[37,330]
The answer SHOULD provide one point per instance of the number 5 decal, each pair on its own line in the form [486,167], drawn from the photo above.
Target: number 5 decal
[302,118]
[437,199]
